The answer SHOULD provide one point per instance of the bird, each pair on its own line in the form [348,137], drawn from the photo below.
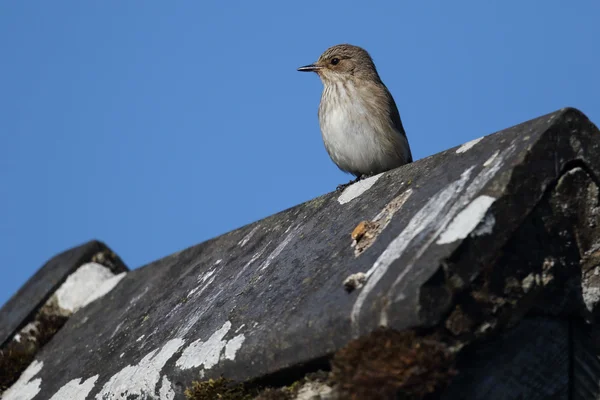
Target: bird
[359,120]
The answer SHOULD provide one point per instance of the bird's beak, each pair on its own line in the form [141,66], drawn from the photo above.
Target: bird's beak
[310,68]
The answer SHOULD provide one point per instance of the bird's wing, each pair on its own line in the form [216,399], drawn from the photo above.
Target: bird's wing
[395,115]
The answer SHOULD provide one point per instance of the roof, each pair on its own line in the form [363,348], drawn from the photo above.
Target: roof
[453,248]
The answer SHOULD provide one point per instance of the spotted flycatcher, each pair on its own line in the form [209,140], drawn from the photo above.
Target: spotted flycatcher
[360,123]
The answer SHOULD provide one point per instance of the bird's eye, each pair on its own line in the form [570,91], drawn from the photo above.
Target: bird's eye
[335,61]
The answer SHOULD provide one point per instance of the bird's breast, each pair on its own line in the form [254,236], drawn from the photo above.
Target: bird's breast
[353,134]
[343,115]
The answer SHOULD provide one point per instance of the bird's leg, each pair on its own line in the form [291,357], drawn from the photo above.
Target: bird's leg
[345,185]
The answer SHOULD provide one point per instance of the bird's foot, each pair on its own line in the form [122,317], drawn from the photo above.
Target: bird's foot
[345,185]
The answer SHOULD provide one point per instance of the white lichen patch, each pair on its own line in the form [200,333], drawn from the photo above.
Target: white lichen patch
[486,226]
[248,236]
[76,389]
[105,287]
[206,276]
[26,388]
[315,390]
[136,298]
[467,146]
[88,283]
[355,281]
[490,160]
[117,329]
[575,143]
[199,309]
[466,221]
[356,189]
[140,379]
[275,253]
[166,390]
[30,330]
[205,280]
[233,345]
[254,257]
[209,352]
[591,297]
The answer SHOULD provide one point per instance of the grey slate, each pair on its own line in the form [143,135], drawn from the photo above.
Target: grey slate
[530,361]
[20,308]
[279,281]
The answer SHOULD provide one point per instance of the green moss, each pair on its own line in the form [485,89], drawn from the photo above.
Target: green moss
[16,356]
[225,389]
[383,365]
[389,363]
[291,392]
[221,388]
[316,203]
[275,394]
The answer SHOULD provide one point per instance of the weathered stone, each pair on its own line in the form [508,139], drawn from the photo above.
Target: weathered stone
[461,245]
[19,309]
[530,362]
[585,364]
[66,283]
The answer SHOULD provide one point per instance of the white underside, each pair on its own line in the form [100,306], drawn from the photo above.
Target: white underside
[354,143]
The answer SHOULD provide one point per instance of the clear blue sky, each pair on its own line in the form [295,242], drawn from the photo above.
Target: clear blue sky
[155,125]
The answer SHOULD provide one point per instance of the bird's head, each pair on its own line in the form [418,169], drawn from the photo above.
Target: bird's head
[343,62]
